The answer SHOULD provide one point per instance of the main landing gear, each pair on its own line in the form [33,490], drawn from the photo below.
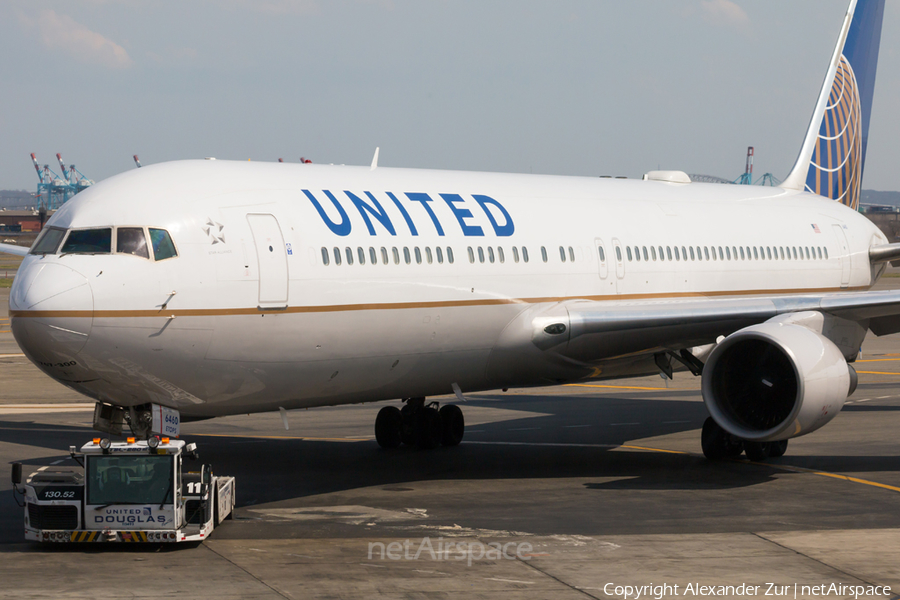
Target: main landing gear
[718,444]
[419,424]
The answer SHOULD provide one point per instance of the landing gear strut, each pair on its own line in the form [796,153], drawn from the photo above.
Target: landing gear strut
[718,444]
[419,424]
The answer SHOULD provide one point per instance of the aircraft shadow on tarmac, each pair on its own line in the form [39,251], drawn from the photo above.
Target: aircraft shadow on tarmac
[545,446]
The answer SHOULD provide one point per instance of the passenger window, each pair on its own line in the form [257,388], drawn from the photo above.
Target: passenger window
[480,254]
[544,253]
[337,256]
[428,254]
[646,256]
[48,241]
[721,255]
[807,253]
[325,260]
[819,250]
[91,241]
[637,253]
[571,254]
[743,256]
[491,253]
[524,254]
[562,254]
[373,256]
[699,253]
[692,253]
[755,254]
[361,255]
[669,252]
[418,255]
[728,252]
[677,254]
[706,252]
[449,255]
[406,255]
[163,247]
[628,251]
[131,240]
[440,255]
[825,250]
[516,254]
[349,252]
[769,252]
[396,254]
[500,254]
[653,252]
[795,252]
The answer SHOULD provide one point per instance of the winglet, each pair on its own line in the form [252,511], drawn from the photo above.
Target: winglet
[375,160]
[833,154]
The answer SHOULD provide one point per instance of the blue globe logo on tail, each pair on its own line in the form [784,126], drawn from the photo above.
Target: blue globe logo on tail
[835,169]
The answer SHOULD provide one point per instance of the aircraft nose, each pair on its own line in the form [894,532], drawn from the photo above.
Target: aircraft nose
[51,313]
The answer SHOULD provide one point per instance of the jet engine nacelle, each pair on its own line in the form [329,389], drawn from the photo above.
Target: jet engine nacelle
[775,381]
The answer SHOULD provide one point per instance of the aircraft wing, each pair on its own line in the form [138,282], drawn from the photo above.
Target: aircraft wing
[696,321]
[13,249]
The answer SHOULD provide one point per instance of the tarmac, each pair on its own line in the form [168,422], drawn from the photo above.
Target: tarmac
[578,491]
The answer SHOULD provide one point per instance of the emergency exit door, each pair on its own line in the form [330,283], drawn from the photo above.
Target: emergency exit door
[271,255]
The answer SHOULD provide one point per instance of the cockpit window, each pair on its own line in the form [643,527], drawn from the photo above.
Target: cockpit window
[131,240]
[88,241]
[48,241]
[162,244]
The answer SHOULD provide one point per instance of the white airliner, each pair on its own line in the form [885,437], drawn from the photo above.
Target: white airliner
[217,288]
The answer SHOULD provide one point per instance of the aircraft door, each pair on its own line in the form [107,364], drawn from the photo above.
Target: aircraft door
[844,248]
[271,254]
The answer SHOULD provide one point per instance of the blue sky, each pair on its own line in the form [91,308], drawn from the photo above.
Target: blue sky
[566,87]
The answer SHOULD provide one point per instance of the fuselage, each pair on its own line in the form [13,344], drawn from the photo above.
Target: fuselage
[307,285]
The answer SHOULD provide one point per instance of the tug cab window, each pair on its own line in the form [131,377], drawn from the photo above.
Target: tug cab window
[131,240]
[88,241]
[163,247]
[49,240]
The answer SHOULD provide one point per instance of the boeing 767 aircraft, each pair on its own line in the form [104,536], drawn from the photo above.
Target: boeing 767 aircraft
[204,288]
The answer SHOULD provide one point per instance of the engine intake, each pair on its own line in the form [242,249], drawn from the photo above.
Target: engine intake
[775,381]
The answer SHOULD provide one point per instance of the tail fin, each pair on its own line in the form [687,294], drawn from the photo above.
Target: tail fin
[833,155]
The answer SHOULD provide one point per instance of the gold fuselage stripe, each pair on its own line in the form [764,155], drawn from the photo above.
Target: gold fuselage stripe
[220,312]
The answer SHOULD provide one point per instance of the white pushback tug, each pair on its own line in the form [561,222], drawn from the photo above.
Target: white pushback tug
[131,491]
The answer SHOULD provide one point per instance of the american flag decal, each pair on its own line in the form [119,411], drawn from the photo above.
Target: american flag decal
[816,228]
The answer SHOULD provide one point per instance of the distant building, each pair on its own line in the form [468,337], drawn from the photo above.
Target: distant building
[20,221]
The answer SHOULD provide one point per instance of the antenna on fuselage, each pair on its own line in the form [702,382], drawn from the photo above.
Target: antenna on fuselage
[137,161]
[375,159]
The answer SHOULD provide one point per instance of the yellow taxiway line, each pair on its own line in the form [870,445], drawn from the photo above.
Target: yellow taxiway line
[616,387]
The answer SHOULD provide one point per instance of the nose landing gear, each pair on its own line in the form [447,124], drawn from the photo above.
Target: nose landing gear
[419,424]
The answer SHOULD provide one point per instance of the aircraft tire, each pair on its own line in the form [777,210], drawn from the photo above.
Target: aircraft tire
[756,451]
[453,425]
[777,449]
[428,428]
[387,427]
[715,441]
